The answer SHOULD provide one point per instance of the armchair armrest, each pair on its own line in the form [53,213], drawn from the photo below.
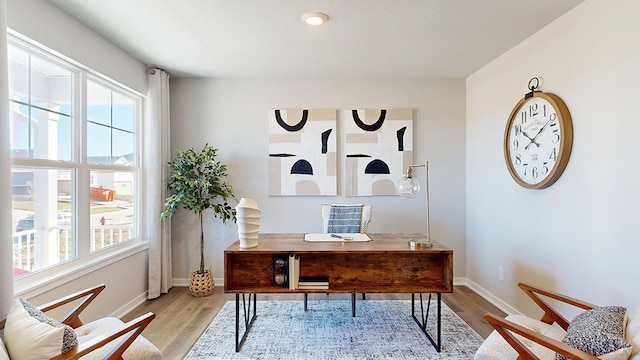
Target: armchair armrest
[507,329]
[73,318]
[130,330]
[550,314]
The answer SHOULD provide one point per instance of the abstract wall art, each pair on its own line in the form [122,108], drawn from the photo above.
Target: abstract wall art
[302,152]
[378,149]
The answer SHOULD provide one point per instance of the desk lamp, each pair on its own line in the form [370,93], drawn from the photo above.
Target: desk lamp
[409,187]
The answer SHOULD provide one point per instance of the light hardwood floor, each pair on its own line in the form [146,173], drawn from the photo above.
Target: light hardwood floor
[182,318]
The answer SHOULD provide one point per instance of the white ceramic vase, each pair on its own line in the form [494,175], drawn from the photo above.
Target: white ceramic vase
[248,220]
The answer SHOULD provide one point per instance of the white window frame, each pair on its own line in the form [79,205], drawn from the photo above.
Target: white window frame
[86,262]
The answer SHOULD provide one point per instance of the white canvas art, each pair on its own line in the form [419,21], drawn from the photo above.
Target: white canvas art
[378,149]
[302,152]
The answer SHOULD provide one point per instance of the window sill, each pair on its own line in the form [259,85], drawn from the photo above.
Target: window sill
[46,280]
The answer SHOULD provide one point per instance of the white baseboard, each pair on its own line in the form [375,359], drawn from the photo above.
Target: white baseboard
[508,309]
[128,307]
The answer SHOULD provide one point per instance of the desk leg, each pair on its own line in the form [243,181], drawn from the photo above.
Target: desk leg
[353,304]
[248,318]
[422,322]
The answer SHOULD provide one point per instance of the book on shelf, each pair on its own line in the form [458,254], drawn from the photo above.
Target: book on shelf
[313,280]
[314,287]
[294,271]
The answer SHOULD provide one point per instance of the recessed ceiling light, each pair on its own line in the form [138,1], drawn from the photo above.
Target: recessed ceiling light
[315,18]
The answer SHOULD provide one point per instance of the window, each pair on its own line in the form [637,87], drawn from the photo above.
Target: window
[75,165]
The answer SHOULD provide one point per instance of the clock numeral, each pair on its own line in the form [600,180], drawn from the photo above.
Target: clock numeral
[544,110]
[517,130]
[553,117]
[523,117]
[545,169]
[533,109]
[518,159]
[554,154]
[556,136]
[525,166]
[514,144]
[534,172]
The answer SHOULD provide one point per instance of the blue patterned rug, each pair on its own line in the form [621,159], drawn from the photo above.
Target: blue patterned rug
[382,329]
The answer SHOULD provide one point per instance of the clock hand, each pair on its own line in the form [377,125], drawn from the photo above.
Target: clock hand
[538,134]
[531,141]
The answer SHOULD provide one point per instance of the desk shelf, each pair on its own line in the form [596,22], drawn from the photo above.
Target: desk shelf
[384,265]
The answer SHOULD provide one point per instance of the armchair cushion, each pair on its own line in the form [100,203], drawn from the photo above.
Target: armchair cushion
[633,334]
[3,351]
[496,347]
[600,332]
[30,334]
[140,349]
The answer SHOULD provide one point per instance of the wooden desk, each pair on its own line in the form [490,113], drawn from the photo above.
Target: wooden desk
[387,264]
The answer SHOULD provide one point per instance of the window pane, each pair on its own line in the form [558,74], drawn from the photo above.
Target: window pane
[98,144]
[41,103]
[22,141]
[110,126]
[98,103]
[123,147]
[112,208]
[43,222]
[52,135]
[123,112]
[51,85]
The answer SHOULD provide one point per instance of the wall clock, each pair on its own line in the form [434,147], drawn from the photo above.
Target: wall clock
[538,139]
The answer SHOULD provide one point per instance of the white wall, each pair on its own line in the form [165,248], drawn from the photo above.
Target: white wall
[232,116]
[581,236]
[46,24]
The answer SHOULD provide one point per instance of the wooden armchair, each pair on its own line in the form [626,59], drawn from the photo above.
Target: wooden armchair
[106,338]
[517,336]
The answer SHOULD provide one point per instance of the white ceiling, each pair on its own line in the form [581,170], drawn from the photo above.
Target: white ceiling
[363,38]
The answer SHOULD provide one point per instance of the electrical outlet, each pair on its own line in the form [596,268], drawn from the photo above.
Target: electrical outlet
[500,273]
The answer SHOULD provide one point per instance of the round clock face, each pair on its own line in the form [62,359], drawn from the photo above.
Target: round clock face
[538,140]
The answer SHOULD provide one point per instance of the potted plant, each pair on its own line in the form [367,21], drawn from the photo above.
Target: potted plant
[196,184]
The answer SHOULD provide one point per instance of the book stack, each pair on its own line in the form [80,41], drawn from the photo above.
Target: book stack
[297,282]
[313,283]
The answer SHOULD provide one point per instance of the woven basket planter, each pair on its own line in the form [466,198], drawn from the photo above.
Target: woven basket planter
[201,284]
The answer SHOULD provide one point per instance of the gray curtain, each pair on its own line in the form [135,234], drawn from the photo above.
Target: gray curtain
[157,152]
[6,254]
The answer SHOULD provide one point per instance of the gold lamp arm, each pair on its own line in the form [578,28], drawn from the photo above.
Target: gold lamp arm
[408,176]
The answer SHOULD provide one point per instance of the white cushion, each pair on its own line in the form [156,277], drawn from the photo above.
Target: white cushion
[496,347]
[28,338]
[140,349]
[633,334]
[3,351]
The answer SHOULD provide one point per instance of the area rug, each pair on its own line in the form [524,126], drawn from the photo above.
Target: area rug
[382,329]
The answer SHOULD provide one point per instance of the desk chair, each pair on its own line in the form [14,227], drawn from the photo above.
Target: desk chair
[344,218]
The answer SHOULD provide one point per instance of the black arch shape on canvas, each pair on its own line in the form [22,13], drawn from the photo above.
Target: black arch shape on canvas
[325,139]
[295,127]
[377,166]
[373,127]
[400,135]
[302,167]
